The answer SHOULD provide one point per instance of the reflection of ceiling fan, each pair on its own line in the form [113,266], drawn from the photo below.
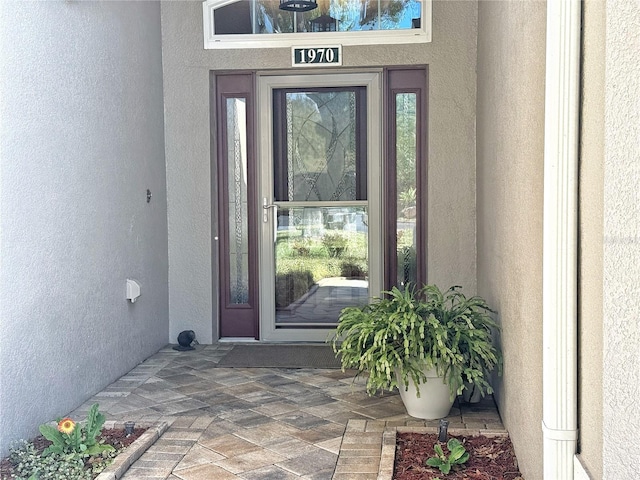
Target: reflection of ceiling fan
[298,5]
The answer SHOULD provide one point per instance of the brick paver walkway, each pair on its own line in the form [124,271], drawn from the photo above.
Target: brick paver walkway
[262,423]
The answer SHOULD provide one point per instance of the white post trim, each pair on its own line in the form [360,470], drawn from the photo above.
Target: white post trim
[559,419]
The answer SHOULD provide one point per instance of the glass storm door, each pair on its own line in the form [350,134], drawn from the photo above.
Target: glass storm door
[320,191]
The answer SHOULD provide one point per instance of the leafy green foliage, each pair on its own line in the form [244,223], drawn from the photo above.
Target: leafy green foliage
[60,441]
[408,197]
[335,244]
[407,265]
[95,421]
[323,255]
[457,456]
[29,464]
[68,455]
[82,439]
[413,330]
[353,268]
[291,286]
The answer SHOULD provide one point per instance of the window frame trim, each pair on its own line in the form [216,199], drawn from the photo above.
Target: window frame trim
[288,40]
[400,80]
[224,86]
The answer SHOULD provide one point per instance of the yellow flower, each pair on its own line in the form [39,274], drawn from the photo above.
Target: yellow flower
[66,425]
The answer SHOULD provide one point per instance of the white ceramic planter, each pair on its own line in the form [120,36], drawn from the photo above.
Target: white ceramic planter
[434,402]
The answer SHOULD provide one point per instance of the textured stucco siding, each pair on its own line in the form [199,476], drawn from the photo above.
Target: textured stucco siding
[451,58]
[81,140]
[591,234]
[510,116]
[621,259]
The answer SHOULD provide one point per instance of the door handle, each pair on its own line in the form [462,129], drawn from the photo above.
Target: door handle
[265,207]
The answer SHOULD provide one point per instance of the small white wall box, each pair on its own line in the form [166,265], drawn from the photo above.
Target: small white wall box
[133,290]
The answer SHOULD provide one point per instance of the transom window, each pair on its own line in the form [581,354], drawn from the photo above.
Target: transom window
[263,23]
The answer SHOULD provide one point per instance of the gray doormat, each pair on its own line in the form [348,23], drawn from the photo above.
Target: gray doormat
[280,356]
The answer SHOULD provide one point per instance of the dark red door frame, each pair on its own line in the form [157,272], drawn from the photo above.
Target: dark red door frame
[242,320]
[397,81]
[236,319]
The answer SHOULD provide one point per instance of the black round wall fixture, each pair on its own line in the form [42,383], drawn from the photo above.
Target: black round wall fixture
[298,5]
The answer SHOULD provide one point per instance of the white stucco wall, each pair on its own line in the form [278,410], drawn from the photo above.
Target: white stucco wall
[451,58]
[621,259]
[510,115]
[81,140]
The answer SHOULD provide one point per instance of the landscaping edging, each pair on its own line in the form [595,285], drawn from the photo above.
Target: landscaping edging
[133,452]
[388,455]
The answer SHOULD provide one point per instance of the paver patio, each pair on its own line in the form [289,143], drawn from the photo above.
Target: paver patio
[262,423]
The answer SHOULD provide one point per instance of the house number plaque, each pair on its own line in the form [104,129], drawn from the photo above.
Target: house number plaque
[316,56]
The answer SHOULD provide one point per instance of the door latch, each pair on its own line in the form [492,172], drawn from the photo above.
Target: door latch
[265,207]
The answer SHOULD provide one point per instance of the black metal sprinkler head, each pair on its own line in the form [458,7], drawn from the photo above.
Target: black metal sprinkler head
[442,430]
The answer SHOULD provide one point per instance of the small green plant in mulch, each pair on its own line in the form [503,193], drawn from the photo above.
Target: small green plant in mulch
[335,244]
[69,437]
[457,456]
[73,451]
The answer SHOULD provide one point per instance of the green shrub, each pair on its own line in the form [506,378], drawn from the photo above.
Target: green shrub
[297,254]
[301,247]
[335,244]
[291,286]
[408,197]
[353,268]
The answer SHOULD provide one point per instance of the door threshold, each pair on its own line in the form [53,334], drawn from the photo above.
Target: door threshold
[270,342]
[237,340]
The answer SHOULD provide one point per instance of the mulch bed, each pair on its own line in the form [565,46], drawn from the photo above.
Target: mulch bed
[116,437]
[490,458]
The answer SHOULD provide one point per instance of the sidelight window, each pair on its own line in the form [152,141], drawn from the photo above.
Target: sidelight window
[406,178]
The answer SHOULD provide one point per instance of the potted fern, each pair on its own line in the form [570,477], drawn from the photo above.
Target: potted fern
[423,341]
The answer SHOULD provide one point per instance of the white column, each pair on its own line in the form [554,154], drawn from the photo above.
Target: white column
[559,422]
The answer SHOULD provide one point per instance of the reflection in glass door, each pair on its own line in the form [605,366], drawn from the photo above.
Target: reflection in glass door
[321,264]
[317,205]
[321,251]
